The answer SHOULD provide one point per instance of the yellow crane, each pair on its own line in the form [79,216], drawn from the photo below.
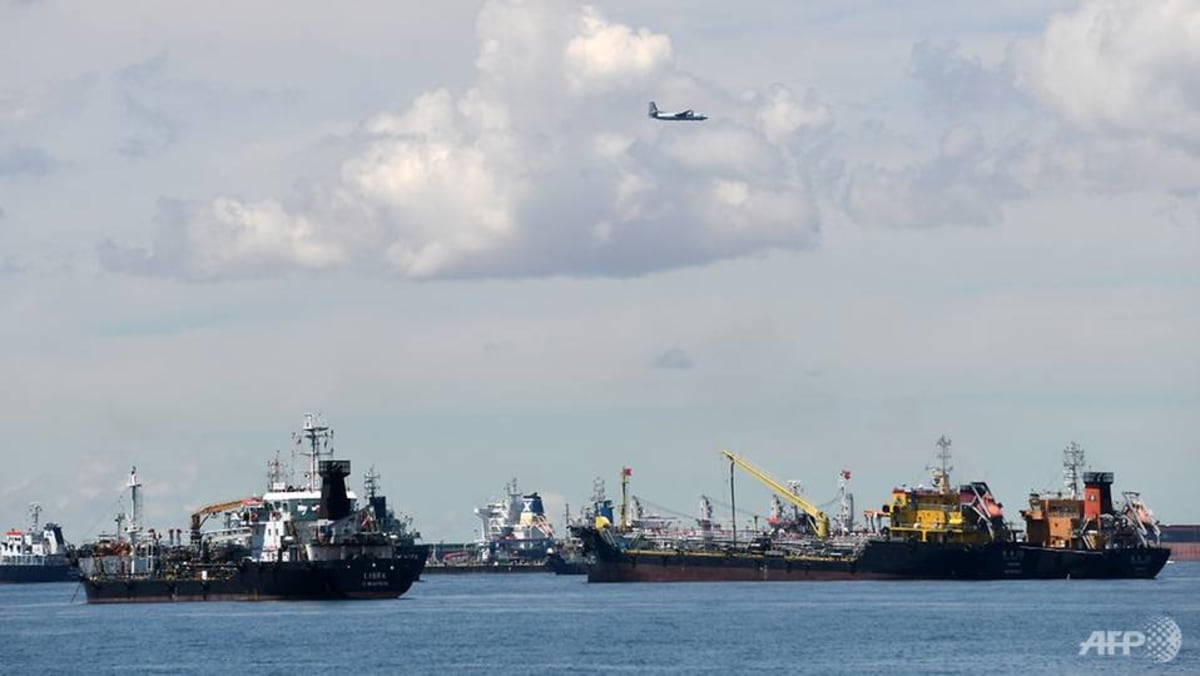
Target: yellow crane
[820,522]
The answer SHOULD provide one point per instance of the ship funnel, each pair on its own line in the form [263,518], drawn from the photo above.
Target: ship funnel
[1097,494]
[533,504]
[335,504]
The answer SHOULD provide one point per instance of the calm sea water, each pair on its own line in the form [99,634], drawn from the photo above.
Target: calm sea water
[548,624]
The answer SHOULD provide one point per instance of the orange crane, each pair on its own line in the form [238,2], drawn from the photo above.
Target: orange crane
[202,514]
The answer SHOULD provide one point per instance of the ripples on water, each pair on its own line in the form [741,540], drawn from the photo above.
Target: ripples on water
[549,624]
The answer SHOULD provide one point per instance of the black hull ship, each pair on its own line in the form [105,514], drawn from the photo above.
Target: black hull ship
[36,554]
[936,533]
[364,578]
[311,542]
[54,571]
[869,559]
[568,563]
[32,573]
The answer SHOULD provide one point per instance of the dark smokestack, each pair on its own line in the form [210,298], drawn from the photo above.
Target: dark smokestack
[379,507]
[334,502]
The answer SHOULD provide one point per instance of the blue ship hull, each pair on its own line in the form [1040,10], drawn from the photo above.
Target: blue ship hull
[15,574]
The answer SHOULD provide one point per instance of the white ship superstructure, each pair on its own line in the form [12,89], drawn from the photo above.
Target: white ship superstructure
[514,527]
[287,523]
[37,554]
[312,540]
[37,545]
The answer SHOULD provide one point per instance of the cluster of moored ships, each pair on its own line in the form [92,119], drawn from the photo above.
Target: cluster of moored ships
[317,539]
[938,532]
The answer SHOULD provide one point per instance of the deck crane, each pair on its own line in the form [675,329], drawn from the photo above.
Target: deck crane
[820,522]
[201,515]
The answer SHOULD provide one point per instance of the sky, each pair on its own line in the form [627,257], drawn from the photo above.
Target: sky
[452,229]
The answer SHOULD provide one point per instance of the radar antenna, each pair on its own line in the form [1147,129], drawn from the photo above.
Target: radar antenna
[941,473]
[371,483]
[1072,463]
[313,441]
[278,474]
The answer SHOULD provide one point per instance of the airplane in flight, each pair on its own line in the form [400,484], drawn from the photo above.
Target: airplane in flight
[684,116]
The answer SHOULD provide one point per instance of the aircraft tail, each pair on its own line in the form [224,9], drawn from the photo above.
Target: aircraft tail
[653,110]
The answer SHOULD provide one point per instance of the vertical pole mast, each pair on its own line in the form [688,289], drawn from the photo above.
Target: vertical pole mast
[135,500]
[316,432]
[941,473]
[625,472]
[732,503]
[1073,459]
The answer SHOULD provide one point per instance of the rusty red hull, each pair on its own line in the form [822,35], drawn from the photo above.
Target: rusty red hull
[668,571]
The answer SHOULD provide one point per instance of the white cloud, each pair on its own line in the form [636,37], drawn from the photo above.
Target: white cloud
[608,55]
[782,115]
[545,165]
[736,211]
[1127,66]
[720,147]
[1105,97]
[261,234]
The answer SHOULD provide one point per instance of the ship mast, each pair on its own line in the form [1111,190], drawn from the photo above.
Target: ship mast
[845,503]
[1072,463]
[625,474]
[732,502]
[135,503]
[589,514]
[35,513]
[941,473]
[276,474]
[597,491]
[316,435]
[371,483]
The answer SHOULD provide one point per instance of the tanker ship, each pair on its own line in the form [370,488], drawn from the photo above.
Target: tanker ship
[1184,540]
[942,532]
[311,541]
[516,537]
[36,554]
